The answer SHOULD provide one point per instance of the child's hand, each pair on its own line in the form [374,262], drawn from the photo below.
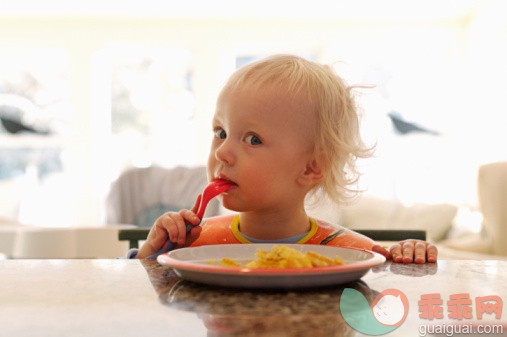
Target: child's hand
[413,250]
[171,225]
[409,251]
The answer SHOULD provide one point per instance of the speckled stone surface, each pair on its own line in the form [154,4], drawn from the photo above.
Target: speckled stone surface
[143,298]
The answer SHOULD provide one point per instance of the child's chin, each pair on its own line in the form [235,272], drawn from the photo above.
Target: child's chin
[233,208]
[231,205]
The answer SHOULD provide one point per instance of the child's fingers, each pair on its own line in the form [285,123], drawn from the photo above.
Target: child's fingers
[432,253]
[408,251]
[157,237]
[159,234]
[420,252]
[176,228]
[181,220]
[170,226]
[396,252]
[190,216]
[411,250]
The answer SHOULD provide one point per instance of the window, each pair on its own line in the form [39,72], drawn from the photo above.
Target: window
[152,107]
[35,114]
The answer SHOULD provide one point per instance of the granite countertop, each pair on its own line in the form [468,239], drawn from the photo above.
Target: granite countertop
[143,298]
[243,312]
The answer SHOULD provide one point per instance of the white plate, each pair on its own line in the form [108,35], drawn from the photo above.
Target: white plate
[192,264]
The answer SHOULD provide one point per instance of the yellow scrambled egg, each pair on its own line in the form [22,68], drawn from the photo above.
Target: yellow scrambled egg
[284,257]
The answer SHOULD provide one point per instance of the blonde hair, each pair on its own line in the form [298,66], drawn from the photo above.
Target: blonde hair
[336,130]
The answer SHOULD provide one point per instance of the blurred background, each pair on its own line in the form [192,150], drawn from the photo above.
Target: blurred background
[90,89]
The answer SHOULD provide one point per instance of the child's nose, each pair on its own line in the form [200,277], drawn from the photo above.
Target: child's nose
[225,152]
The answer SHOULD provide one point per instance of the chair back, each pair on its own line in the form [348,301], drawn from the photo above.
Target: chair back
[140,195]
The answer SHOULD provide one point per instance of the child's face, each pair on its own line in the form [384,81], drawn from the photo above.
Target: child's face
[262,142]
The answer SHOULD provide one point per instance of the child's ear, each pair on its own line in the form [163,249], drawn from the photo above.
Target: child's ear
[314,172]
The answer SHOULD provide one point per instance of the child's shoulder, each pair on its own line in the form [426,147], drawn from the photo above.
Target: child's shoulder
[328,225]
[321,230]
[336,235]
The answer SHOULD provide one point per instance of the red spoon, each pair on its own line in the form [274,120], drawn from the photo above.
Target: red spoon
[213,189]
[216,187]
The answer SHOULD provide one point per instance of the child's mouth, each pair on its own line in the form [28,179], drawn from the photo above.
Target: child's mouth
[222,180]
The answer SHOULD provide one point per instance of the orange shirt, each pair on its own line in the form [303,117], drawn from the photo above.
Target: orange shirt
[225,230]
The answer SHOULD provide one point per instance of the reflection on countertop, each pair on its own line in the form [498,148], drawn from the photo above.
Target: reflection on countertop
[407,269]
[243,312]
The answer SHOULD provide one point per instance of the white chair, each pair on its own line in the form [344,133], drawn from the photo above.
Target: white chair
[492,194]
[140,195]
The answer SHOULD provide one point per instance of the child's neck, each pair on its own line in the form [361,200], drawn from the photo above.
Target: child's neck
[274,225]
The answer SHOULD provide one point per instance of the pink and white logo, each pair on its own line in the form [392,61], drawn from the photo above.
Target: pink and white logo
[390,308]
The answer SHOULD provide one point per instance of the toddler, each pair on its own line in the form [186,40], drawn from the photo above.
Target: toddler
[285,129]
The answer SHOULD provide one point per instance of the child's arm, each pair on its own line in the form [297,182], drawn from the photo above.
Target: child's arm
[409,251]
[406,251]
[171,225]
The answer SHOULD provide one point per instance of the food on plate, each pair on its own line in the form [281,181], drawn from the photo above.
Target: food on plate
[225,262]
[284,257]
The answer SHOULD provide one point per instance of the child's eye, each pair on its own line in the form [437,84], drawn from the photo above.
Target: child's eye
[253,140]
[220,133]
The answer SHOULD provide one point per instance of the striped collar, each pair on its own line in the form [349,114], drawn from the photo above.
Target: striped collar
[241,238]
